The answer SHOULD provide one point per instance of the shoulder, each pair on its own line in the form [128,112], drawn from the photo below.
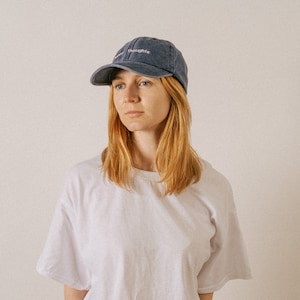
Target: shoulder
[85,169]
[212,178]
[83,180]
[214,188]
[84,175]
[86,166]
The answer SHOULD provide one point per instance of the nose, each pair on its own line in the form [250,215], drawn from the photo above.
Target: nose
[130,94]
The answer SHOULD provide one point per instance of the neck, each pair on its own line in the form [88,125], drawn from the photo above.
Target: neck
[144,151]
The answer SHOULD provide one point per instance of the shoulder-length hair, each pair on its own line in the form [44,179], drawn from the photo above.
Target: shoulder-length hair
[176,161]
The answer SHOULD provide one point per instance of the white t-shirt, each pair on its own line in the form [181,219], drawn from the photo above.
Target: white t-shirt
[139,244]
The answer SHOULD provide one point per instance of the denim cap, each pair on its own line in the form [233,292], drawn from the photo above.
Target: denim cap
[148,57]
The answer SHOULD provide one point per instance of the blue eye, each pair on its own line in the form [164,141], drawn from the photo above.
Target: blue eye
[144,83]
[119,86]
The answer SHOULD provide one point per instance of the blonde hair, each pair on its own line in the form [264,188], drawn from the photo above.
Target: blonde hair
[176,161]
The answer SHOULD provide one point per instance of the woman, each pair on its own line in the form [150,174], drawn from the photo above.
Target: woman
[151,220]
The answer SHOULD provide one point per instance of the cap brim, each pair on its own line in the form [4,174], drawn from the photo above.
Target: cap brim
[103,75]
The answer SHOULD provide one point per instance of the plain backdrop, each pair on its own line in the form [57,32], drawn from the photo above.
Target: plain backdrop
[244,90]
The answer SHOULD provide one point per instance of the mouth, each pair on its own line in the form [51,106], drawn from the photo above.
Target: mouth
[134,113]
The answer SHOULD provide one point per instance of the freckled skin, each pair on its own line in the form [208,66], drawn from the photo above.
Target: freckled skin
[141,102]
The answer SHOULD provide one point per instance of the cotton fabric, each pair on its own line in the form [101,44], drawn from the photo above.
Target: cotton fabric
[140,244]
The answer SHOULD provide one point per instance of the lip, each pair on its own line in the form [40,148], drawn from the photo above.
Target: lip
[134,113]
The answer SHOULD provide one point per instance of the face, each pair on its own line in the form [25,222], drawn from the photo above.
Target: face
[141,102]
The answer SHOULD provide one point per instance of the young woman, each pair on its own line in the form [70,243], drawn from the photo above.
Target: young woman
[150,220]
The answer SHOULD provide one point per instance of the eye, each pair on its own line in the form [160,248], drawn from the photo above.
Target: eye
[144,83]
[118,86]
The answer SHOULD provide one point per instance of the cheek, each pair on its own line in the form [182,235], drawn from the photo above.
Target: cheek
[164,112]
[117,105]
[165,108]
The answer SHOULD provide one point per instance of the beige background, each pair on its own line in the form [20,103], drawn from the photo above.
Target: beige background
[244,90]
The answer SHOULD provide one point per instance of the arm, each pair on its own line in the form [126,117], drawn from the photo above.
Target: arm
[206,296]
[73,294]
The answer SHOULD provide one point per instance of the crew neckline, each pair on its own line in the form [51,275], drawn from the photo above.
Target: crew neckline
[148,175]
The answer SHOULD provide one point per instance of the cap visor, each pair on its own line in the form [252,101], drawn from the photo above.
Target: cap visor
[103,75]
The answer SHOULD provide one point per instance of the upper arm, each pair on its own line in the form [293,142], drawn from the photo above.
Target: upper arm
[73,294]
[206,296]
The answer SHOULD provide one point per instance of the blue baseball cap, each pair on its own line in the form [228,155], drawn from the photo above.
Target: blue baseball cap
[146,56]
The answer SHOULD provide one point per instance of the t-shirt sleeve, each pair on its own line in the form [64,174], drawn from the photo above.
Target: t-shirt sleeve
[228,259]
[61,259]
